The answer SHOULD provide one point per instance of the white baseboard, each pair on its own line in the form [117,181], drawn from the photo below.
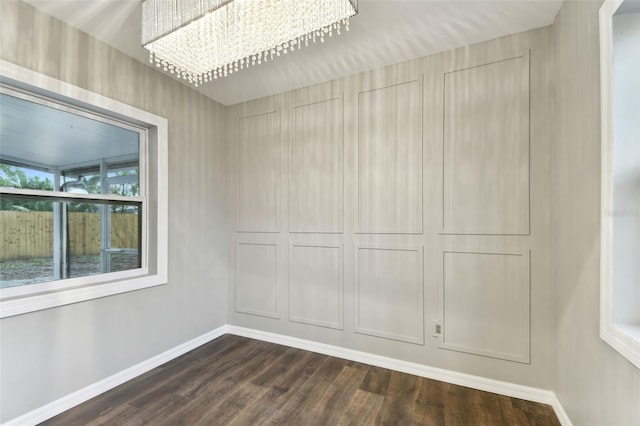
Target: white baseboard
[475,382]
[453,377]
[78,397]
[562,415]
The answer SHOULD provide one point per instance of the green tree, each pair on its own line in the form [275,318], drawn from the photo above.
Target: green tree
[125,189]
[15,177]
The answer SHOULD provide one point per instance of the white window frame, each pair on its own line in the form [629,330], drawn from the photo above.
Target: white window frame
[154,200]
[624,338]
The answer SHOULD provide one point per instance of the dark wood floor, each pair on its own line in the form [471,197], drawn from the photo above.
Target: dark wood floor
[234,380]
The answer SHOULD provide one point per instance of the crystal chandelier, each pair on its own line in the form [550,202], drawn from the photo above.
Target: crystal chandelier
[200,40]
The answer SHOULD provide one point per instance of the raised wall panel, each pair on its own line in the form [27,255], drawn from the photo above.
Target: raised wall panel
[390,159]
[486,149]
[315,285]
[389,293]
[486,304]
[317,167]
[259,168]
[257,279]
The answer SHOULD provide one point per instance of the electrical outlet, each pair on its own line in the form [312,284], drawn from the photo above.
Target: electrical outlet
[437,329]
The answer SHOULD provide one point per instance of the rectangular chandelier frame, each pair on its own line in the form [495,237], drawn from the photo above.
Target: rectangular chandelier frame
[200,40]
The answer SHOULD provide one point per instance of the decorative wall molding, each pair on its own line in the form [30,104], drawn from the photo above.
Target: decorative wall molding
[398,313]
[296,312]
[316,179]
[469,327]
[258,180]
[262,279]
[494,159]
[389,158]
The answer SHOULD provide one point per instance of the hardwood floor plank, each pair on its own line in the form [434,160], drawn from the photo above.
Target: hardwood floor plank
[429,405]
[454,405]
[159,409]
[363,409]
[336,398]
[376,380]
[209,398]
[280,367]
[239,381]
[280,390]
[398,404]
[117,415]
[244,395]
[479,406]
[197,372]
[103,404]
[254,363]
[296,409]
[528,410]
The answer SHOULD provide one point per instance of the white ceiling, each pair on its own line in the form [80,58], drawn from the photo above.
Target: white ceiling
[383,33]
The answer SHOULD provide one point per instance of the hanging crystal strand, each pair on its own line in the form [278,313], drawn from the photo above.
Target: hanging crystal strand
[240,35]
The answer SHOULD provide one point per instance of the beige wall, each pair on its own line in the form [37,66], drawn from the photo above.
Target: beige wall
[595,384]
[49,354]
[366,208]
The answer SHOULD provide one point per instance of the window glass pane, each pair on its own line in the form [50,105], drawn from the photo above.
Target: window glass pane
[26,236]
[626,165]
[124,182]
[24,177]
[90,155]
[66,239]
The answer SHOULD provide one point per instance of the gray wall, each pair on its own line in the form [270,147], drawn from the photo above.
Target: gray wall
[48,354]
[365,200]
[594,383]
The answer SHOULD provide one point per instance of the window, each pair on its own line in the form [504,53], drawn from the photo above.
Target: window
[83,208]
[620,229]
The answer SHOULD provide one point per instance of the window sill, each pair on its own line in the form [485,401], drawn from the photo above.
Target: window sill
[32,303]
[624,338]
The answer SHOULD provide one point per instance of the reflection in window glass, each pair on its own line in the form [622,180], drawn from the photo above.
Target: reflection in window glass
[124,182]
[81,149]
[12,176]
[80,141]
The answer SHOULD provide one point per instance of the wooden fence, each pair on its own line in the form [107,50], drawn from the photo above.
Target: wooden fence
[30,234]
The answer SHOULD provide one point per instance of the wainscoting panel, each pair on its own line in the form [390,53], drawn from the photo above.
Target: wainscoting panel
[389,293]
[486,303]
[382,172]
[316,183]
[316,285]
[486,149]
[258,172]
[389,159]
[256,279]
